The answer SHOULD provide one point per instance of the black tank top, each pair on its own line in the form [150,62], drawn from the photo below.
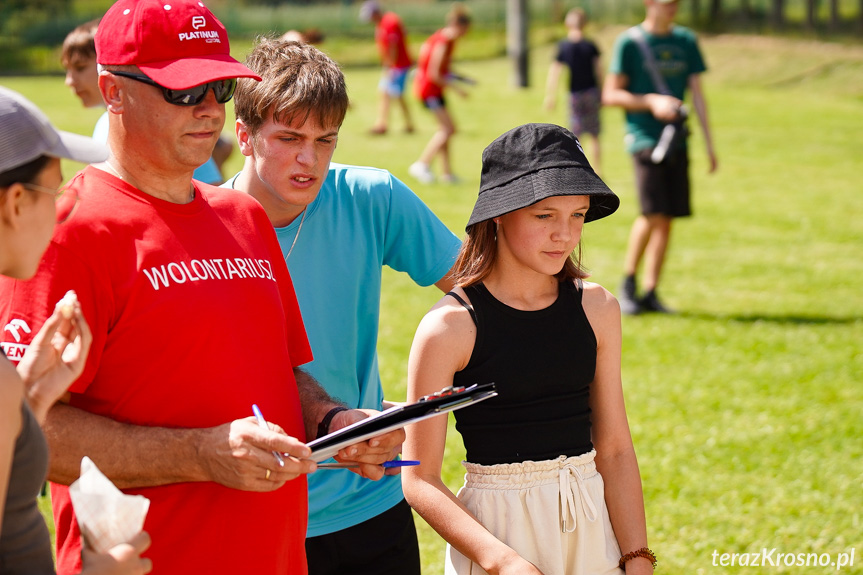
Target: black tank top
[542,363]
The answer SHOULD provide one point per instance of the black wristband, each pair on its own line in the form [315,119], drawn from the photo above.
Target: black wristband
[324,425]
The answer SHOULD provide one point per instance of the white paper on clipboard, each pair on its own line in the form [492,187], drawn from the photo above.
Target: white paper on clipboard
[398,417]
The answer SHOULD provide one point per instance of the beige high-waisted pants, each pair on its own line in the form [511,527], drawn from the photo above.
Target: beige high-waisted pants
[552,513]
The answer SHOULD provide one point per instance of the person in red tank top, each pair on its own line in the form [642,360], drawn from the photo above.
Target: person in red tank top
[432,78]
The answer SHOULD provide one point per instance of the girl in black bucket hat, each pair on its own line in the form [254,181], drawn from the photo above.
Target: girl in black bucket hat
[540,453]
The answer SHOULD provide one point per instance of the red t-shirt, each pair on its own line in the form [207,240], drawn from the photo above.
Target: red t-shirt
[388,33]
[423,85]
[194,319]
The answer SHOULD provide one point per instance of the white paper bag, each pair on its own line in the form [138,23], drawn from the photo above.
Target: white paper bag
[106,515]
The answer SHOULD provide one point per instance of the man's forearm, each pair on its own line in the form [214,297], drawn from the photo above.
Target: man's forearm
[627,100]
[129,455]
[314,401]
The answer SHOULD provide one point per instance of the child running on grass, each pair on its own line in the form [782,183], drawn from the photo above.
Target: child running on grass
[541,453]
[433,77]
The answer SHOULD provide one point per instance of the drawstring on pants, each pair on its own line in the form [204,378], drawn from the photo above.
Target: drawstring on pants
[567,500]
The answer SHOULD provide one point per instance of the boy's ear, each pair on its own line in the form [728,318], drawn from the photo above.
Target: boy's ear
[244,138]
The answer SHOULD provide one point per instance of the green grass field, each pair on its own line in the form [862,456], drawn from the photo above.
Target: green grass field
[746,406]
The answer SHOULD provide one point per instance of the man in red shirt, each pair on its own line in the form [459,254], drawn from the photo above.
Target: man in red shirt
[391,40]
[193,315]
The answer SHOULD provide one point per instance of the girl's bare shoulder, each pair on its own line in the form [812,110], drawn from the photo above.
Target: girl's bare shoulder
[447,332]
[450,314]
[599,303]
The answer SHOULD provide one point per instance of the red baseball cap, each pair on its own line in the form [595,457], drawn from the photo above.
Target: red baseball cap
[177,43]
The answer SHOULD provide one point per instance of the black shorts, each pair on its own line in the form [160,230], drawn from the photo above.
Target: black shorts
[434,102]
[663,188]
[383,545]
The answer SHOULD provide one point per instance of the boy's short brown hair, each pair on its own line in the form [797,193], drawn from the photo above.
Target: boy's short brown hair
[458,15]
[576,18]
[80,43]
[298,81]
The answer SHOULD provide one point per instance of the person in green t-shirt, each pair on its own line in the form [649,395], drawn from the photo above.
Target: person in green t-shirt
[663,186]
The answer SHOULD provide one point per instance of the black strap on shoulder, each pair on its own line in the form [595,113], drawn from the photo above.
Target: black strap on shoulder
[578,290]
[637,35]
[466,305]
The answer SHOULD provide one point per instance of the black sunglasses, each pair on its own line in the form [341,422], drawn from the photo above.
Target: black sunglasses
[223,89]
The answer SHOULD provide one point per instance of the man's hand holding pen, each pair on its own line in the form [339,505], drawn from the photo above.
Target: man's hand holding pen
[253,454]
[239,455]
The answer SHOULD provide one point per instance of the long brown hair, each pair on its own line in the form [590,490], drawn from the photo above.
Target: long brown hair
[478,254]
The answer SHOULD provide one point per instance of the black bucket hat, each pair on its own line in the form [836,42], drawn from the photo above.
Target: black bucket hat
[536,161]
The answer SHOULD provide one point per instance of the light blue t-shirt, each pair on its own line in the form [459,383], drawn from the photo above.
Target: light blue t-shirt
[100,132]
[362,219]
[208,172]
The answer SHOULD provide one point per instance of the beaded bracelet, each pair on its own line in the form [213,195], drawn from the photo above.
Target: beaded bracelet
[643,552]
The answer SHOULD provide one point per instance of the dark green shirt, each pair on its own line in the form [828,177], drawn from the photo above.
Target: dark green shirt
[677,56]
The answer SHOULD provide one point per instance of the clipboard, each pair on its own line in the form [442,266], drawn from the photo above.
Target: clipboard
[443,401]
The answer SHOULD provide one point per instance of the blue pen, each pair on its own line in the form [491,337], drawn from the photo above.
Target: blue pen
[263,423]
[385,464]
[399,463]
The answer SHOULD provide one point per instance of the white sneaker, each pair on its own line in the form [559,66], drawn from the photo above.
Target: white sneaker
[421,172]
[450,179]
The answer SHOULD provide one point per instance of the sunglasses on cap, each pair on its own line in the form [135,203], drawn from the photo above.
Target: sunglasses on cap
[223,90]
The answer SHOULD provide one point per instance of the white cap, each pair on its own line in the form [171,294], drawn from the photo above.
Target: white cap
[368,9]
[26,134]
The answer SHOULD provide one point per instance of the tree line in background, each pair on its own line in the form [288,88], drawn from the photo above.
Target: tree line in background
[777,12]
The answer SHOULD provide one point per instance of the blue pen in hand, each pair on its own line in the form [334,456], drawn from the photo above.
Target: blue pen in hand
[263,424]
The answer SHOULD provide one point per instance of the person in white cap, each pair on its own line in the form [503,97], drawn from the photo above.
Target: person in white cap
[193,315]
[30,178]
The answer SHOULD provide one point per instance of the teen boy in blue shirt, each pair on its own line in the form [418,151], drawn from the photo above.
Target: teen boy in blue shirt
[338,226]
